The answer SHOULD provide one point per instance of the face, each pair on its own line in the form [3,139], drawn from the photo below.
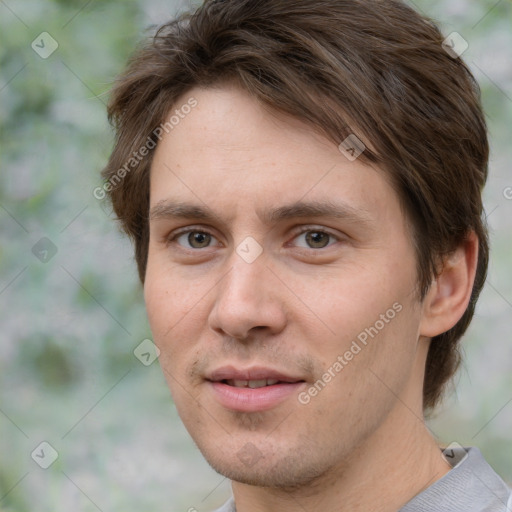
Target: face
[280,290]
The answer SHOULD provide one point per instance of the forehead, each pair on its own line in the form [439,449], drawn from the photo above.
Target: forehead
[230,154]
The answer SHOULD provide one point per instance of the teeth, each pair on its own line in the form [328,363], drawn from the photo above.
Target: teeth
[257,383]
[251,383]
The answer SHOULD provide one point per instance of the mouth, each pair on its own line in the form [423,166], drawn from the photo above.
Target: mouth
[253,384]
[252,389]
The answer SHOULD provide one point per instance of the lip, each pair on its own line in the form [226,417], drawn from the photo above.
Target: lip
[252,399]
[252,373]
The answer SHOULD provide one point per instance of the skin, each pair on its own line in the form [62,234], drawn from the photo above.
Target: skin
[361,442]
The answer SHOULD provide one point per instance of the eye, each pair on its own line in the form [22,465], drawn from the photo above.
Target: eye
[309,238]
[196,239]
[315,238]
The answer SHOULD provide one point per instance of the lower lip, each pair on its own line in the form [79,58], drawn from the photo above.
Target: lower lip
[254,400]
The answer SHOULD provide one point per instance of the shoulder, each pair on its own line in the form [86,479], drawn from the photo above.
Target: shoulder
[471,485]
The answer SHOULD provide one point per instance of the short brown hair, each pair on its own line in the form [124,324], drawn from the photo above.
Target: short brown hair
[377,64]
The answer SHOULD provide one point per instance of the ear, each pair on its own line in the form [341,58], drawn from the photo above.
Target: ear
[450,293]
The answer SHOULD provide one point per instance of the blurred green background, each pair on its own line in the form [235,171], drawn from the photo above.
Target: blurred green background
[71,306]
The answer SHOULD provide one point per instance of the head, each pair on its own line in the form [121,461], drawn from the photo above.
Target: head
[241,109]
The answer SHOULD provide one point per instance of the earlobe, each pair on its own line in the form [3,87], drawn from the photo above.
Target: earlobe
[450,293]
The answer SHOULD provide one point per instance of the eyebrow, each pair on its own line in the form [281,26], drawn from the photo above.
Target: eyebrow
[168,209]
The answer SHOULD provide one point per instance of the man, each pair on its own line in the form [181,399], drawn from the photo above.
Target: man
[302,182]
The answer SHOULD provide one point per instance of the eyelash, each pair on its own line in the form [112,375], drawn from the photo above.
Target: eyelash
[305,229]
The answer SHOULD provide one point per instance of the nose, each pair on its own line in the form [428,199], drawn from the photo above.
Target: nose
[248,299]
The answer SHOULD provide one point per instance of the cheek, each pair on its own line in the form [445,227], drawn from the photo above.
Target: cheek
[352,303]
[166,308]
[176,317]
[167,297]
[388,352]
[157,303]
[373,325]
[167,318]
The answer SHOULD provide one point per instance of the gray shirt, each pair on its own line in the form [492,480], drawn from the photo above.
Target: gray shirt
[471,486]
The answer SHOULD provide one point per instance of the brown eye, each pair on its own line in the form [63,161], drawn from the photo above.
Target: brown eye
[317,239]
[193,239]
[199,239]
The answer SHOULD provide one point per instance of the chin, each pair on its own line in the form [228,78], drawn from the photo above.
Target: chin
[266,470]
